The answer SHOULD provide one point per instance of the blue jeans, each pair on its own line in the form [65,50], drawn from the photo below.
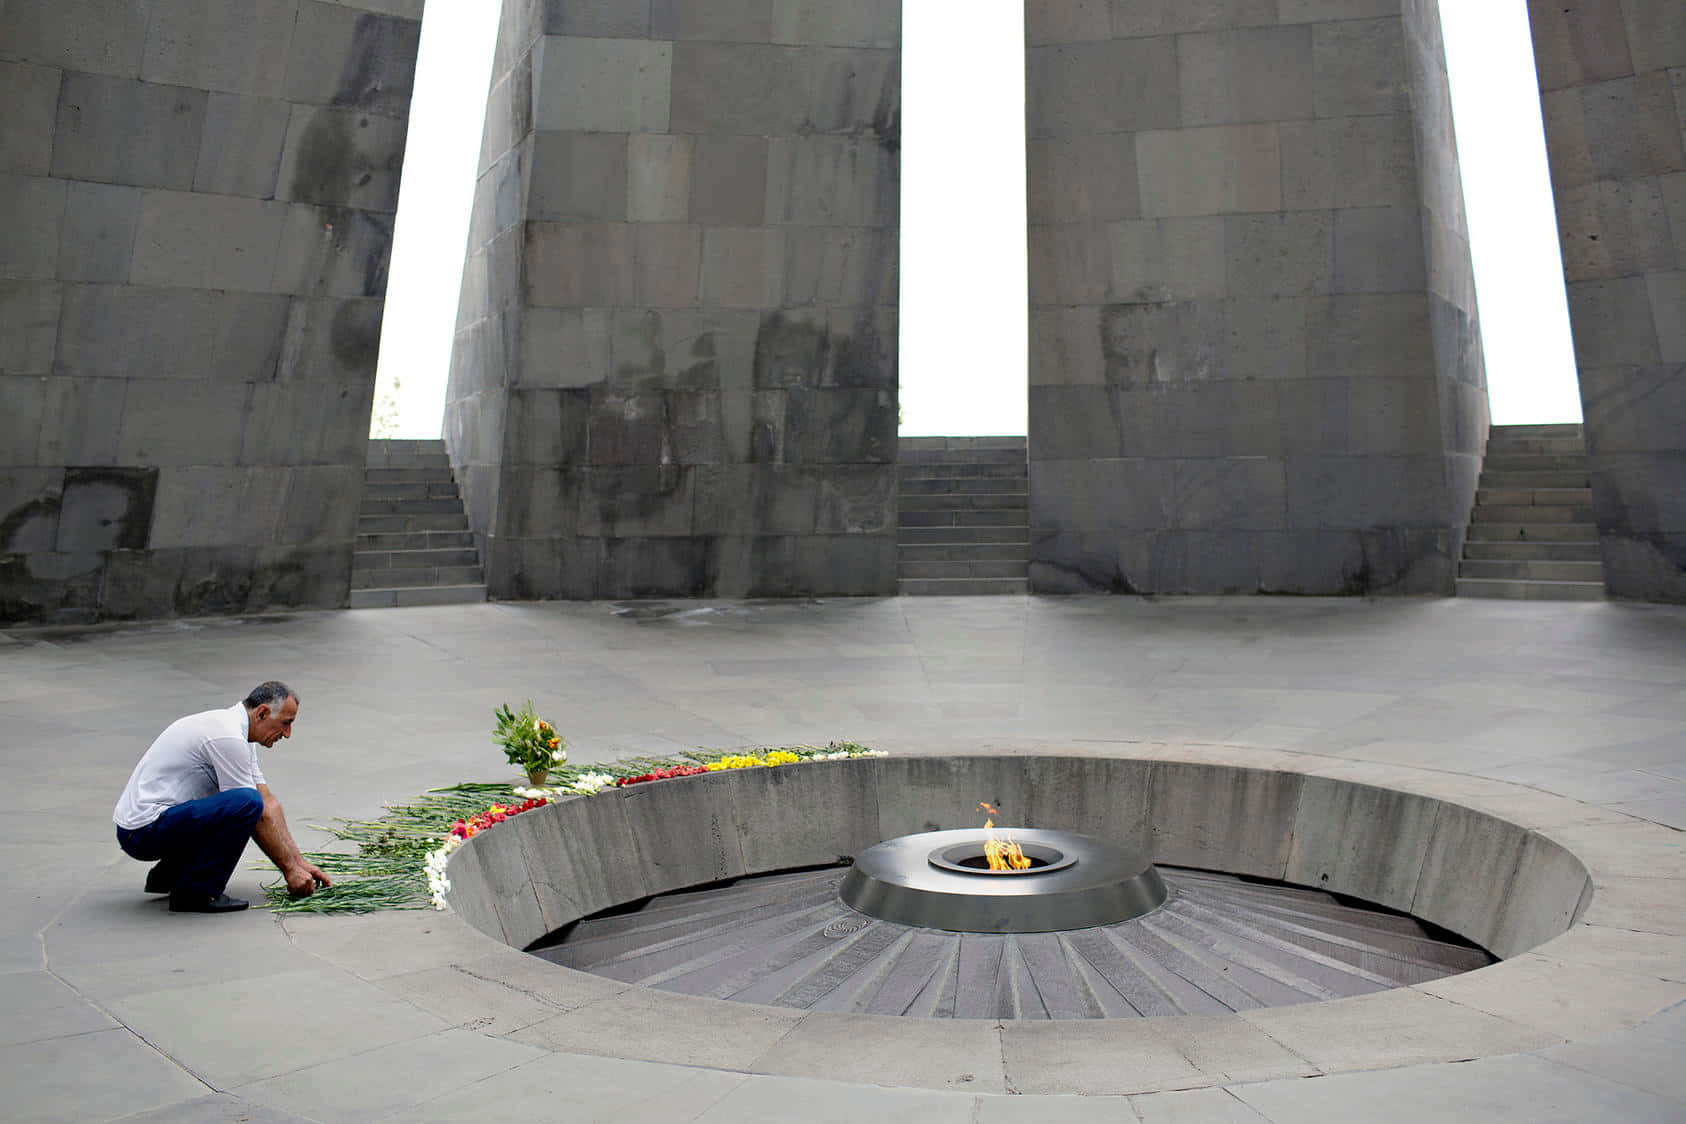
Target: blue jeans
[200,841]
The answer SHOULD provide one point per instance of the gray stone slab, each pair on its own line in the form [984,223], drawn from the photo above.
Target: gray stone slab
[346,57]
[1363,841]
[1112,86]
[1504,1089]
[112,130]
[29,247]
[956,1056]
[1348,162]
[240,151]
[137,1078]
[1190,802]
[200,241]
[578,177]
[398,1075]
[29,323]
[98,236]
[741,21]
[1214,171]
[1242,76]
[32,95]
[604,85]
[658,177]
[93,36]
[700,1032]
[220,44]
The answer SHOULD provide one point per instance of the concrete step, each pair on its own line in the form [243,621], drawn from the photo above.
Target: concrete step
[1551,446]
[1513,590]
[1017,535]
[965,552]
[1523,550]
[1542,429]
[411,559]
[418,490]
[1536,532]
[960,456]
[420,595]
[1006,469]
[991,442]
[1531,570]
[963,501]
[1533,462]
[1534,478]
[962,569]
[413,540]
[965,517]
[1525,496]
[1530,513]
[410,507]
[961,587]
[412,577]
[965,485]
[408,475]
[413,521]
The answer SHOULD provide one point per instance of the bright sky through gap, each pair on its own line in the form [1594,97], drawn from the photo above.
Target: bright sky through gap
[963,295]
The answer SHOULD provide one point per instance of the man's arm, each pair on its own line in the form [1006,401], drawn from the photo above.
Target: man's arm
[276,840]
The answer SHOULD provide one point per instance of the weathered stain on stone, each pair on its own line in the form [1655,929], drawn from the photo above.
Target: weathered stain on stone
[382,49]
[355,336]
[792,352]
[112,507]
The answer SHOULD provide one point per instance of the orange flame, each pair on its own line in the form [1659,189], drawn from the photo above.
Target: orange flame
[1003,853]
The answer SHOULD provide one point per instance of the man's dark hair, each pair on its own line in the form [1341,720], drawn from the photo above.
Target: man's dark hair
[272,694]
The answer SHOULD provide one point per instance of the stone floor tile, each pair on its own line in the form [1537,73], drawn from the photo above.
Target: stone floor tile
[218,1108]
[779,1100]
[35,1006]
[956,1055]
[693,1032]
[1194,1106]
[1621,950]
[1110,1057]
[470,1002]
[612,1090]
[1065,1110]
[1507,1090]
[375,946]
[369,1084]
[1647,1062]
[1391,1028]
[245,1030]
[87,1077]
[1553,996]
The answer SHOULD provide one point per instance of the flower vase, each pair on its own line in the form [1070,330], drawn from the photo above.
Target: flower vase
[536,777]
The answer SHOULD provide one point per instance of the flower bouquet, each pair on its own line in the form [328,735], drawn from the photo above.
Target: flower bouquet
[530,743]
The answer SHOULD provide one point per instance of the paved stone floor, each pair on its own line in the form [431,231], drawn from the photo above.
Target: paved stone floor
[112,1008]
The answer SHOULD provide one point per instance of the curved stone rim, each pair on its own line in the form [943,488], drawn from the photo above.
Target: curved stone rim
[1577,985]
[1089,882]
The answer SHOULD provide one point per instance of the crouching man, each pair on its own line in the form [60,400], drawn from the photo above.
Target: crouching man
[198,795]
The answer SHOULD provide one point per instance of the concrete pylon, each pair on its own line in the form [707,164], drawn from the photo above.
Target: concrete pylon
[198,199]
[675,363]
[1255,355]
[1613,97]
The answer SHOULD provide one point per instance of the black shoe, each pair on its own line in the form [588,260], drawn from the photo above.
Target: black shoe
[189,901]
[161,879]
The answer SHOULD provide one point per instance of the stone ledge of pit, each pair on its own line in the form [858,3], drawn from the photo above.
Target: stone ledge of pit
[1349,829]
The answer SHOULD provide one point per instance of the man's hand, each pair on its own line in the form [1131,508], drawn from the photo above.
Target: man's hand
[303,878]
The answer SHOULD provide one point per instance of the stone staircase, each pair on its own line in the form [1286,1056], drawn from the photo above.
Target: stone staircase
[1532,535]
[964,524]
[413,542]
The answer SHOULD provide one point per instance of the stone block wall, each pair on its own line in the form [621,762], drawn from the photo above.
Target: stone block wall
[1254,350]
[675,361]
[198,200]
[1612,79]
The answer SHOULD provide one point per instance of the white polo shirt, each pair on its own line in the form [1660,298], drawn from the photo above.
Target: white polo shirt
[197,756]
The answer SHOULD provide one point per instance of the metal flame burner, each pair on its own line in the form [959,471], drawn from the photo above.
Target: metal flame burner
[929,881]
